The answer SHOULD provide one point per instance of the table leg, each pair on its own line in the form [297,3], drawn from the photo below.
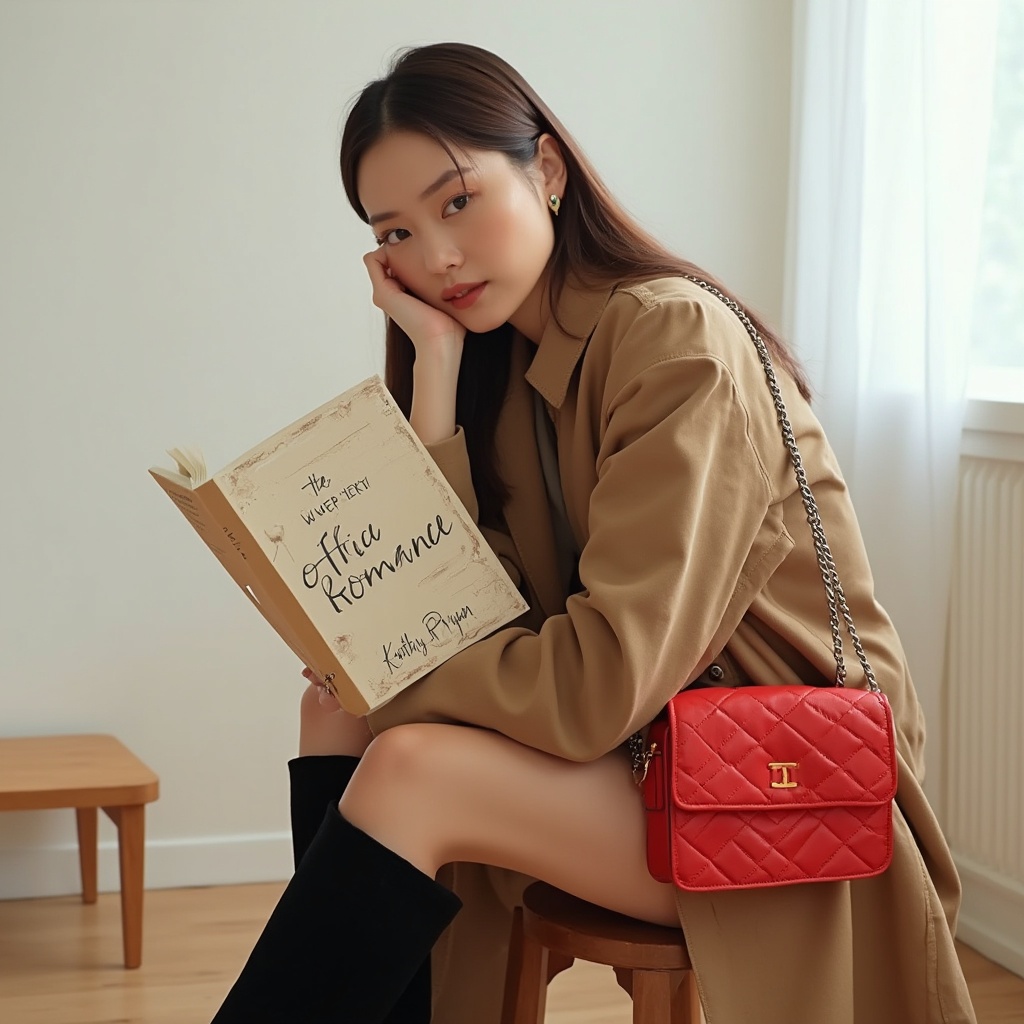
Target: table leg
[88,841]
[131,843]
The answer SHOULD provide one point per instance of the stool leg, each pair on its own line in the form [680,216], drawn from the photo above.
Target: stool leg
[652,996]
[513,968]
[533,987]
[526,977]
[552,964]
[88,843]
[686,1003]
[131,844]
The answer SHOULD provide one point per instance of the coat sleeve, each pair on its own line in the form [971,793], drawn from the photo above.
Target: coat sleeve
[452,459]
[680,497]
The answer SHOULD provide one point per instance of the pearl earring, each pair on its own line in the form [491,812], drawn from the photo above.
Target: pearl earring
[554,202]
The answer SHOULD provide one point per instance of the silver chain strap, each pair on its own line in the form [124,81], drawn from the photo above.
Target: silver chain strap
[830,577]
[640,756]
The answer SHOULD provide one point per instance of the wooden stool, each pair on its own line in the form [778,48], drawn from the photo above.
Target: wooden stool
[552,929]
[88,772]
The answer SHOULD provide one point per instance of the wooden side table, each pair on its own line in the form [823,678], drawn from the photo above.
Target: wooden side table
[86,773]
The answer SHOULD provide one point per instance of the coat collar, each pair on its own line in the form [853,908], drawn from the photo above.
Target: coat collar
[577,311]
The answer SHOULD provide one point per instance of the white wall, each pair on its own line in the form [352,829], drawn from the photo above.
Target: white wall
[178,264]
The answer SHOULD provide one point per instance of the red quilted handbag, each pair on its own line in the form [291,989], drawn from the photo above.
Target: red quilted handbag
[772,785]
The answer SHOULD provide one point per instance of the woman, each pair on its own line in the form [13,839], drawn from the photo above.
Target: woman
[609,424]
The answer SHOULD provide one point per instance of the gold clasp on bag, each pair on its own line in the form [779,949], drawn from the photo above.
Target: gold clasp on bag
[783,766]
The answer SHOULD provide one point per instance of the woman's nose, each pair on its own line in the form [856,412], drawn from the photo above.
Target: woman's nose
[441,256]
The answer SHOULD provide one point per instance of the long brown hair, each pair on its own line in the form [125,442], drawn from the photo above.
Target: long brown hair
[464,98]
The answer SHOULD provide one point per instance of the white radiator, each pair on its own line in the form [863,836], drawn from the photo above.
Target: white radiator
[983,781]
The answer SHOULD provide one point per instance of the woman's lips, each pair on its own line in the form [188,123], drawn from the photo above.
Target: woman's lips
[462,296]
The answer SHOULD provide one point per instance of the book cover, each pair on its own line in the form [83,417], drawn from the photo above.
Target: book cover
[349,541]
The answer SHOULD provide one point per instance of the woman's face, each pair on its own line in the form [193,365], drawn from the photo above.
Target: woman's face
[473,244]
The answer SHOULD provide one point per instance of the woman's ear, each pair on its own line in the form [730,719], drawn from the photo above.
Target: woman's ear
[550,166]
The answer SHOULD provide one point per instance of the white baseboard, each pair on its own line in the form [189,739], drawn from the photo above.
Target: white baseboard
[992,914]
[170,864]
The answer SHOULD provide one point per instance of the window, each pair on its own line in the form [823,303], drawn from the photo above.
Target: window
[997,337]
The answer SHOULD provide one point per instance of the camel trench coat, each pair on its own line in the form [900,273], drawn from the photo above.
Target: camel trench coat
[695,555]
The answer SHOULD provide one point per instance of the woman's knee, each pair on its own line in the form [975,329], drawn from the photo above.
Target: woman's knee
[413,772]
[399,794]
[406,759]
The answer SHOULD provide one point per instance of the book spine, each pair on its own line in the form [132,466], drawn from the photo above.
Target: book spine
[194,510]
[275,600]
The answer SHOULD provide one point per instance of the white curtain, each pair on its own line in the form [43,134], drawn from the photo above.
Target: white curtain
[891,111]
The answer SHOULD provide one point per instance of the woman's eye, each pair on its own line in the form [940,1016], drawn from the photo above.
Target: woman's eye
[392,237]
[455,205]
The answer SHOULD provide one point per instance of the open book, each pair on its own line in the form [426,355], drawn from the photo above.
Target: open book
[347,538]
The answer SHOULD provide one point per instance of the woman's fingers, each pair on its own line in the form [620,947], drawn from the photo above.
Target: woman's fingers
[335,733]
[426,326]
[381,277]
[325,697]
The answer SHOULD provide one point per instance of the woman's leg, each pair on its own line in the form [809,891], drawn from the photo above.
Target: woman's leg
[331,741]
[348,936]
[424,795]
[440,793]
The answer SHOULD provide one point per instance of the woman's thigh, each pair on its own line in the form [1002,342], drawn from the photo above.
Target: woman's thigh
[441,793]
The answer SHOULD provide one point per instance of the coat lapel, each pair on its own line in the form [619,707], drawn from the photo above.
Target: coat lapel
[526,512]
[546,368]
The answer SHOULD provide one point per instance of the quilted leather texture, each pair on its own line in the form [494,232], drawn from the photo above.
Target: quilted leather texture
[774,785]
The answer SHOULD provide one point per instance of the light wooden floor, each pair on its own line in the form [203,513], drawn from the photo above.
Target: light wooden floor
[60,963]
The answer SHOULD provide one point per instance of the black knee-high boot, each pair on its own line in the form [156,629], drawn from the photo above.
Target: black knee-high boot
[317,782]
[351,929]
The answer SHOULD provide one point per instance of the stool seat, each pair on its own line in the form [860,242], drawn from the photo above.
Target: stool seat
[582,930]
[88,772]
[553,928]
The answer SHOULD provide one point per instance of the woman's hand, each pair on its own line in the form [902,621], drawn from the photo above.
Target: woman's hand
[438,341]
[325,696]
[325,727]
[433,333]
